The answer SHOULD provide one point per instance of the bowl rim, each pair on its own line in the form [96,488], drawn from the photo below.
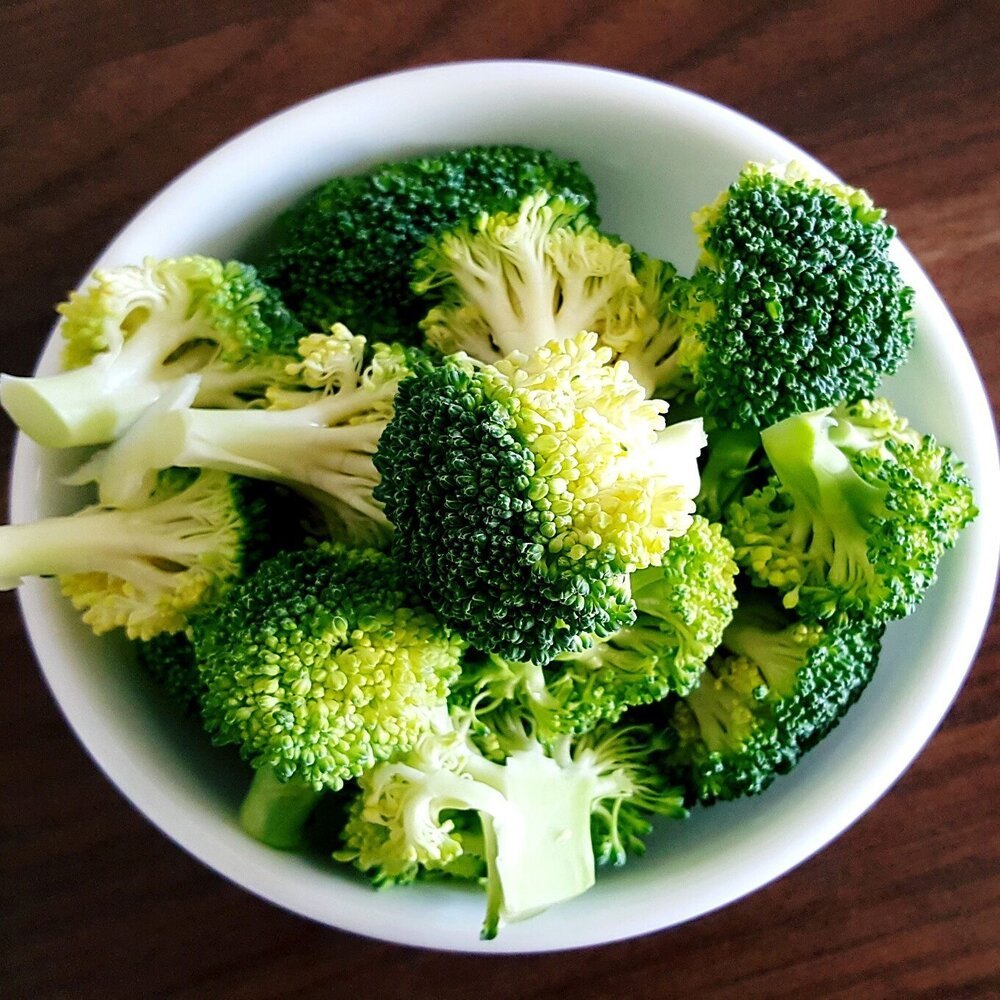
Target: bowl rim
[211,848]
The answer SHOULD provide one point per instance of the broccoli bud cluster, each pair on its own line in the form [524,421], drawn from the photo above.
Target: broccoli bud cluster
[497,533]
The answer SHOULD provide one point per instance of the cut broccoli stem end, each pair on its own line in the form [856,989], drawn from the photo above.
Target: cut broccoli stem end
[275,812]
[74,408]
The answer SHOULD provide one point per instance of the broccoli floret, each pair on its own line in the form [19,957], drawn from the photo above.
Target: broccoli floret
[133,331]
[857,515]
[683,605]
[541,806]
[145,569]
[524,493]
[795,304]
[776,687]
[316,668]
[514,281]
[317,437]
[650,339]
[344,252]
[169,659]
[373,847]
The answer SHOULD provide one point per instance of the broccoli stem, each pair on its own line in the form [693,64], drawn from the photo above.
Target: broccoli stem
[73,408]
[545,852]
[730,454]
[288,446]
[833,504]
[98,402]
[146,547]
[274,811]
[778,655]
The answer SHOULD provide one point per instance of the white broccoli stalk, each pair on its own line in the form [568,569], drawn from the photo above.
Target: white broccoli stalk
[319,440]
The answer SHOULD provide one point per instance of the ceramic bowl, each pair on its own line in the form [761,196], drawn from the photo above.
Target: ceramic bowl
[656,153]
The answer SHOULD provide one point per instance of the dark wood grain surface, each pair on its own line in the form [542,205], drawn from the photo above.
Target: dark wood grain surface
[104,101]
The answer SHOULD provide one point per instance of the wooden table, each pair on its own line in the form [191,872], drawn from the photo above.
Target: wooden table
[102,102]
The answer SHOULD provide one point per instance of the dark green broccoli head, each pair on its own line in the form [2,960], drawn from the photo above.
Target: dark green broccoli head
[343,253]
[316,666]
[795,303]
[776,687]
[857,515]
[523,493]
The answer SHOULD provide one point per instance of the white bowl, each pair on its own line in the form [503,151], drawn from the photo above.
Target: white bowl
[655,153]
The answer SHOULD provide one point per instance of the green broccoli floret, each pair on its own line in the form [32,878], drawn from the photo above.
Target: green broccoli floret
[542,807]
[344,252]
[317,437]
[857,515]
[133,331]
[524,493]
[683,605]
[795,303]
[776,687]
[316,668]
[168,658]
[513,281]
[145,569]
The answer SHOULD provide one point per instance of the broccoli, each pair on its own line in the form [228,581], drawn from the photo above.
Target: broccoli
[132,331]
[857,515]
[682,607]
[343,253]
[732,463]
[775,688]
[648,336]
[168,658]
[794,304]
[316,668]
[373,847]
[514,281]
[317,438]
[146,569]
[524,493]
[541,806]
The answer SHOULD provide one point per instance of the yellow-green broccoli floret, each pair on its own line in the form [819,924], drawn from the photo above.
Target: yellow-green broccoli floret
[682,606]
[514,281]
[548,811]
[776,687]
[316,667]
[145,569]
[131,332]
[524,493]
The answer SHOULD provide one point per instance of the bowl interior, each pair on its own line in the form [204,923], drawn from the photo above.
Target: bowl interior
[655,154]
